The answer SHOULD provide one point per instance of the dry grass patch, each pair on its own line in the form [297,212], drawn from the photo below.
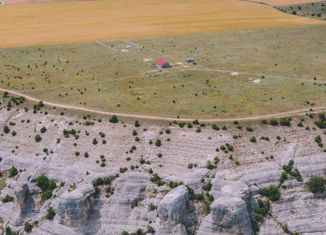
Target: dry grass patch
[65,22]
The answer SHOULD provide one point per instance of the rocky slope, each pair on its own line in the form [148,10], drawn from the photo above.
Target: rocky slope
[119,177]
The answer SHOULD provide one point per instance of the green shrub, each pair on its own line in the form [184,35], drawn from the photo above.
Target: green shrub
[285,122]
[158,143]
[43,130]
[253,139]
[38,106]
[262,209]
[316,184]
[249,129]
[28,227]
[210,165]
[321,122]
[6,129]
[114,119]
[13,171]
[47,186]
[38,138]
[215,127]
[9,231]
[7,198]
[152,207]
[272,192]
[157,179]
[274,122]
[50,213]
[102,181]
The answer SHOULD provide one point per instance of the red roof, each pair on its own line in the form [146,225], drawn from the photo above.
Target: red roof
[161,62]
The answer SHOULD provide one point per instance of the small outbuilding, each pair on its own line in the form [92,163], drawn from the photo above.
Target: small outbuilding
[161,63]
[190,60]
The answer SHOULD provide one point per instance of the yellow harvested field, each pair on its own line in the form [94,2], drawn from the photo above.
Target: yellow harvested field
[68,22]
[285,2]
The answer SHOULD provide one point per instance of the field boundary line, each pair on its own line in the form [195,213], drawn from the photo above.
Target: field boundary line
[104,45]
[298,112]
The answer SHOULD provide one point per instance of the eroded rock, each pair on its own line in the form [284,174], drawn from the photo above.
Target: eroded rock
[74,206]
[176,213]
[229,213]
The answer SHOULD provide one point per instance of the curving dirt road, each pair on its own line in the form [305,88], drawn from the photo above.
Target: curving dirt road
[298,112]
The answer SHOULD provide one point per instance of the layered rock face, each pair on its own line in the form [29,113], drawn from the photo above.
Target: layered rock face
[175,212]
[167,189]
[74,206]
[229,211]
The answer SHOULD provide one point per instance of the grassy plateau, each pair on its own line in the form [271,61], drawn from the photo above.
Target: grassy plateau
[272,72]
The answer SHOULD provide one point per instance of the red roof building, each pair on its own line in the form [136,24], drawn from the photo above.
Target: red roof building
[162,63]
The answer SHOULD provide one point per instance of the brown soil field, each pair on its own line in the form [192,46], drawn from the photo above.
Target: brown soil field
[68,22]
[38,1]
[285,2]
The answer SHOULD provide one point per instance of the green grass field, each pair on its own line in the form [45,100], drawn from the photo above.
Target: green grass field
[279,70]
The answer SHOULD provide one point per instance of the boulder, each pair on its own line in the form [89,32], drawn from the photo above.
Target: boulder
[176,213]
[74,206]
[229,213]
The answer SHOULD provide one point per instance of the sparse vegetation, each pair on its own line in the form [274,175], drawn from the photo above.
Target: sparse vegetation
[28,227]
[7,198]
[47,186]
[317,184]
[13,171]
[50,213]
[271,192]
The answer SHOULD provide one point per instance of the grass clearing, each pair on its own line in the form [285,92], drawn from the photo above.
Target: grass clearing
[67,22]
[291,73]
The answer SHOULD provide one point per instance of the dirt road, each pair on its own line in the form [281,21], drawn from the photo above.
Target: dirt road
[298,112]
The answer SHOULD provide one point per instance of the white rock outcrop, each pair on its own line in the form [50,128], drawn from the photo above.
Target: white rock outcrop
[74,206]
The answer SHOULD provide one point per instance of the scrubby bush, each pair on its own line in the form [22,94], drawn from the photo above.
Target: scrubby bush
[101,181]
[38,138]
[7,198]
[50,213]
[253,139]
[316,184]
[6,129]
[321,122]
[13,171]
[285,122]
[158,143]
[28,227]
[9,231]
[47,186]
[157,179]
[319,141]
[215,127]
[114,119]
[38,106]
[272,192]
[262,209]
